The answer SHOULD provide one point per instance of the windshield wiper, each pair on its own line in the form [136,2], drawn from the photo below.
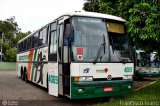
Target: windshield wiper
[102,47]
[120,57]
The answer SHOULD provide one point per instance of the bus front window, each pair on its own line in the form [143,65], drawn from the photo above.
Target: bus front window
[89,34]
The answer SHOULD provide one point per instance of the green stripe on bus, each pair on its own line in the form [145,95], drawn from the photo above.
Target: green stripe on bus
[35,53]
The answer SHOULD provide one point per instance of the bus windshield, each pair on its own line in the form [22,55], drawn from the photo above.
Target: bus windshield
[147,59]
[119,42]
[89,34]
[91,40]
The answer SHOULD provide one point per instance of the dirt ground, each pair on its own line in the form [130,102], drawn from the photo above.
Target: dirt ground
[14,91]
[139,83]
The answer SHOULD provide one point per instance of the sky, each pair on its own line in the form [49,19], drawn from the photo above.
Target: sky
[33,14]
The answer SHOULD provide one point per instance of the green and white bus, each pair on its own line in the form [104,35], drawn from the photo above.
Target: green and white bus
[147,64]
[79,55]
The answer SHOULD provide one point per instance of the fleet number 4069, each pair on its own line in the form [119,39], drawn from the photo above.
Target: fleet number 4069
[53,79]
[128,69]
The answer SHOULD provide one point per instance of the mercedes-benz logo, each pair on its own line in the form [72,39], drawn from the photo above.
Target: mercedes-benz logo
[109,77]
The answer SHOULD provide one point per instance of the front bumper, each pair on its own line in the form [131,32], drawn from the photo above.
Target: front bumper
[148,74]
[95,88]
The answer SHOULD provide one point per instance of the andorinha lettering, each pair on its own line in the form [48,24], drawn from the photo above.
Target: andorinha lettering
[25,57]
[89,20]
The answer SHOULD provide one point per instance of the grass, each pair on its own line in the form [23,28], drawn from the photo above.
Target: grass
[149,95]
[7,66]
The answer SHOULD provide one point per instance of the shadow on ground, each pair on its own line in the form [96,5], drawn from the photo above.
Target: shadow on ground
[64,101]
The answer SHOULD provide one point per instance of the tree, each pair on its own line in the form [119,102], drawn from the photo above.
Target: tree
[92,5]
[12,34]
[142,19]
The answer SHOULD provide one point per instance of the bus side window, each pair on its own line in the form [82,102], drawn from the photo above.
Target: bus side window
[44,31]
[25,46]
[29,43]
[53,43]
[36,39]
[67,34]
[40,43]
[19,47]
[22,46]
[43,37]
[60,39]
[32,40]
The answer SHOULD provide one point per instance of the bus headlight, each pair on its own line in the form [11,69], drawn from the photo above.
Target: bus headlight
[127,77]
[83,78]
[89,78]
[86,78]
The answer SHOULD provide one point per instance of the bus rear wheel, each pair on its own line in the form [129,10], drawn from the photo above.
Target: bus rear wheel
[25,75]
[22,75]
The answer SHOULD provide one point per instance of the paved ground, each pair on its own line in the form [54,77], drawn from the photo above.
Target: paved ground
[15,91]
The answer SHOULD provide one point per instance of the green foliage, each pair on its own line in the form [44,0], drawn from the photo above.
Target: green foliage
[11,54]
[20,35]
[142,19]
[12,35]
[91,5]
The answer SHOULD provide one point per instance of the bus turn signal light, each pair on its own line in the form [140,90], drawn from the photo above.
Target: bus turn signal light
[76,79]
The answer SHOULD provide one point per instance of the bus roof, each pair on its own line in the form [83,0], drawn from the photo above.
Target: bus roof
[94,14]
[85,14]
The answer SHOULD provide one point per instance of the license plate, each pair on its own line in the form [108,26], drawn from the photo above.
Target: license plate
[108,89]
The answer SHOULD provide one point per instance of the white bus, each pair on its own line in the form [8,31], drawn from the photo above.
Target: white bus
[147,64]
[79,55]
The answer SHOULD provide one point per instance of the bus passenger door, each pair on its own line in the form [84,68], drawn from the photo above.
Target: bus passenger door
[52,60]
[63,60]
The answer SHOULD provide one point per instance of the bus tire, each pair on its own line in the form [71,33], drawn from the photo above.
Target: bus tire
[25,75]
[21,72]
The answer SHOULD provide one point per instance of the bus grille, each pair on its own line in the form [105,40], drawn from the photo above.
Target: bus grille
[105,79]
